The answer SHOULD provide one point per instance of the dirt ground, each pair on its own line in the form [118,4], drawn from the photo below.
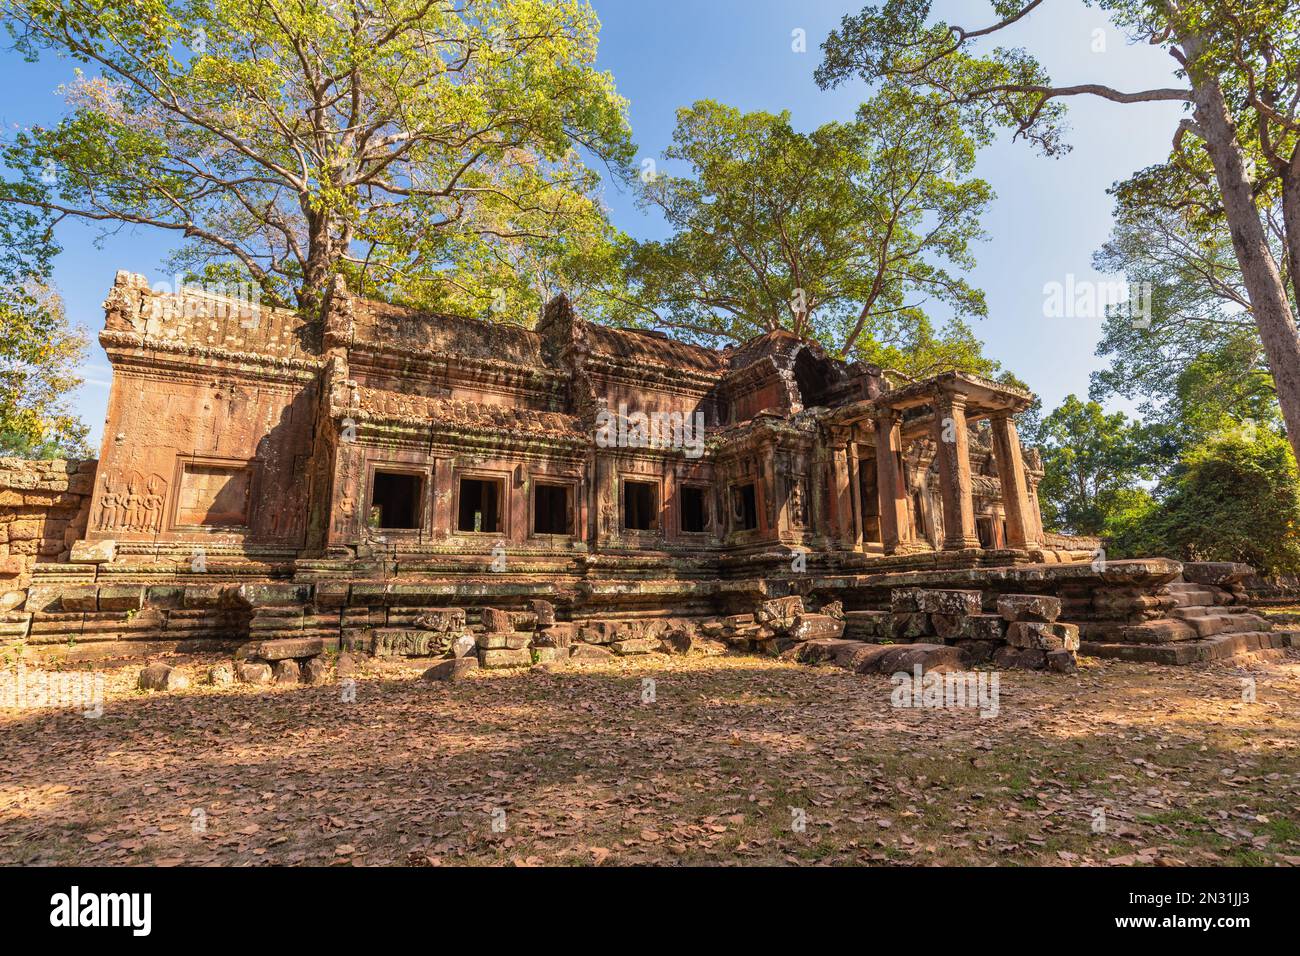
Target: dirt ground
[723,760]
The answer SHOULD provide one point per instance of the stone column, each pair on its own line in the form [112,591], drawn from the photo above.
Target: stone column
[1016,503]
[841,503]
[895,528]
[952,449]
[855,494]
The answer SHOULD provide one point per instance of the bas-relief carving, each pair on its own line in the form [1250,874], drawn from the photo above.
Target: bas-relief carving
[132,502]
[798,502]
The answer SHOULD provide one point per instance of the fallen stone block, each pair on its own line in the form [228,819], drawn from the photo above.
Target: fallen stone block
[948,601]
[867,625]
[809,627]
[780,612]
[907,657]
[465,646]
[589,652]
[409,642]
[1043,636]
[291,647]
[315,671]
[220,675]
[905,600]
[549,655]
[544,612]
[908,626]
[251,672]
[636,645]
[560,634]
[975,652]
[442,620]
[1020,658]
[286,672]
[1029,607]
[985,627]
[818,651]
[600,632]
[159,676]
[1062,662]
[504,657]
[497,620]
[677,638]
[503,640]
[707,647]
[948,626]
[451,669]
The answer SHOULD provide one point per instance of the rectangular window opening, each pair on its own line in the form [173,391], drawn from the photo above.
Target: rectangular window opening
[744,505]
[395,501]
[480,505]
[552,509]
[695,513]
[640,506]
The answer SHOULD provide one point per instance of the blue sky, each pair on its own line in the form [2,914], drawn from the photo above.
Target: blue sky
[1049,216]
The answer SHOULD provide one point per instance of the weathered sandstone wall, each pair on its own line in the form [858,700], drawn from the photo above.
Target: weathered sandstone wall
[43,509]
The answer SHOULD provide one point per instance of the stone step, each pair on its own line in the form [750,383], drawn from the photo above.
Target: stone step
[1216,623]
[1193,597]
[1189,652]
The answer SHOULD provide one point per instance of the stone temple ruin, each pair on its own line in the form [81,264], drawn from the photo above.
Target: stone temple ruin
[388,481]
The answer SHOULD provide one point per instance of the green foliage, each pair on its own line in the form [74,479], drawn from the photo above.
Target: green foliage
[847,234]
[405,144]
[1199,363]
[1235,497]
[39,353]
[1093,464]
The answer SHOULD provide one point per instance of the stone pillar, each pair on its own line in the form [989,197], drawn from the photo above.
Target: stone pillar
[767,499]
[841,503]
[895,527]
[1016,503]
[1036,512]
[952,449]
[855,494]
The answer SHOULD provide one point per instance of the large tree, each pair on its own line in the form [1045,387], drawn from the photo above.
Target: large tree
[851,233]
[1093,464]
[299,138]
[1194,361]
[39,351]
[1232,157]
[1229,498]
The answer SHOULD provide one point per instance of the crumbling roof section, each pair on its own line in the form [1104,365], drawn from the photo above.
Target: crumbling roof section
[196,319]
[406,329]
[639,347]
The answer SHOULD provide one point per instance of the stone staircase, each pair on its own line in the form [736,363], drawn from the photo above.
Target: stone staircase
[1202,623]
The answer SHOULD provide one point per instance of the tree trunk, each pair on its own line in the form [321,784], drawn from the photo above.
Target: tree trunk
[321,260]
[1291,218]
[1263,281]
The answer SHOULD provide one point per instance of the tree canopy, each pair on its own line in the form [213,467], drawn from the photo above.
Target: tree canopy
[403,143]
[1234,159]
[850,234]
